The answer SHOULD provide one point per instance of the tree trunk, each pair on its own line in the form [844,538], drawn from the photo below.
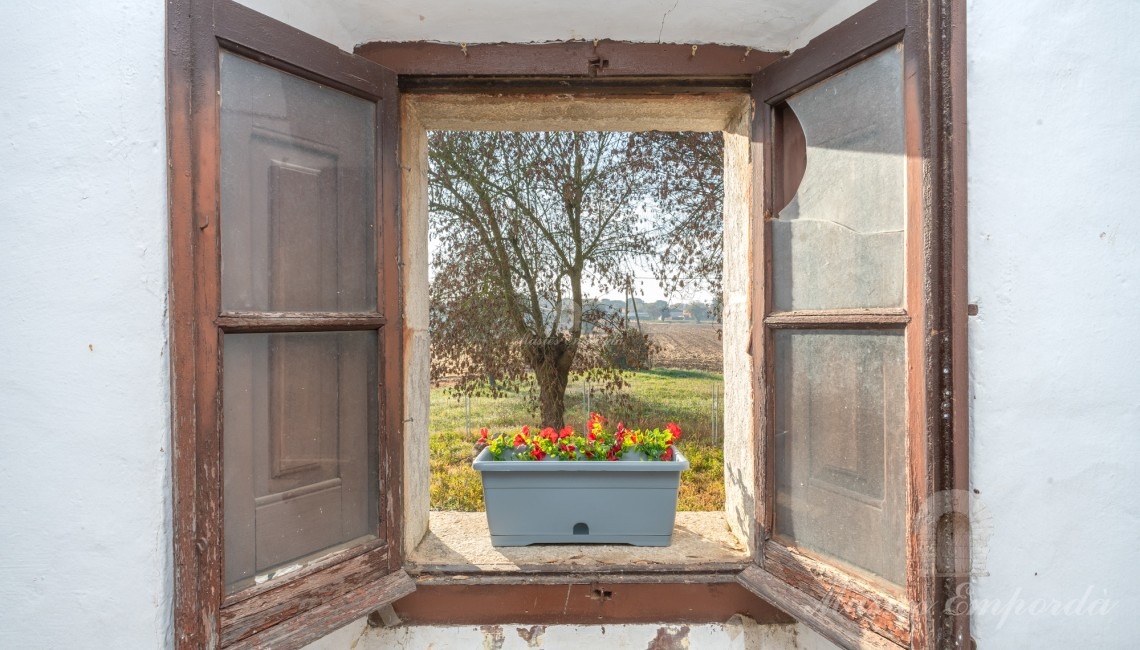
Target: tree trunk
[551,361]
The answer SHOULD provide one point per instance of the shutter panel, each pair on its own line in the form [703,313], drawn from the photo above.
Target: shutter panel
[285,298]
[844,348]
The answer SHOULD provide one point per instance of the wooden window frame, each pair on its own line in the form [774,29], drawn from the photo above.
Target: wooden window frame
[845,608]
[345,585]
[348,585]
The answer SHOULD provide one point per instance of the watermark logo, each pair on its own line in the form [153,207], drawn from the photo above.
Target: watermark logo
[1087,604]
[948,512]
[954,530]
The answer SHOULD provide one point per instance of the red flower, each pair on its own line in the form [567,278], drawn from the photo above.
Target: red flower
[612,453]
[566,432]
[549,434]
[519,440]
[569,449]
[483,433]
[539,454]
[667,454]
[590,437]
[674,429]
[526,430]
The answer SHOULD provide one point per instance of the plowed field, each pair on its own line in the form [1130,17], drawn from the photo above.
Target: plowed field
[686,345]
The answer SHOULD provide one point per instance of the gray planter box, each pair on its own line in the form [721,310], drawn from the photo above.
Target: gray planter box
[580,502]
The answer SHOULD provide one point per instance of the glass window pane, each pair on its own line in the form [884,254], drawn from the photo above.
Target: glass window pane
[298,193]
[839,242]
[840,443]
[299,449]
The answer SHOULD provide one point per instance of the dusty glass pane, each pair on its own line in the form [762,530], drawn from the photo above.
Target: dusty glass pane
[839,242]
[298,193]
[840,438]
[299,449]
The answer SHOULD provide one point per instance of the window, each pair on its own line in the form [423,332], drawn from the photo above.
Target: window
[839,395]
[614,309]
[297,227]
[295,330]
[286,332]
[725,110]
[858,325]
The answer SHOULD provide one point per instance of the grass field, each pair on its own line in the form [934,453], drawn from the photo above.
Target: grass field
[655,397]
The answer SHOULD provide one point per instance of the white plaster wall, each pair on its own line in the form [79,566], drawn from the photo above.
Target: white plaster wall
[85,541]
[775,25]
[1054,183]
[738,633]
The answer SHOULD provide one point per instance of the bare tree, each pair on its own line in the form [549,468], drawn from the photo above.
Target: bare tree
[689,184]
[523,226]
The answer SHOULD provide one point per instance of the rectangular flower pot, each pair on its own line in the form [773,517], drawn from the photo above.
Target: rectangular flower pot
[580,502]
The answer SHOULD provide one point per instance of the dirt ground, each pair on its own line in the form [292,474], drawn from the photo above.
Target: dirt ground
[686,345]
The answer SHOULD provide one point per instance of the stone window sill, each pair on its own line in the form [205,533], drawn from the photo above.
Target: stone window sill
[458,543]
[462,580]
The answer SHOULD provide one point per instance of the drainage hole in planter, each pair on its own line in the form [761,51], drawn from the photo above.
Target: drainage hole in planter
[581,529]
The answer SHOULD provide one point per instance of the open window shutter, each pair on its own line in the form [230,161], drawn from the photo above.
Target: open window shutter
[287,310]
[843,349]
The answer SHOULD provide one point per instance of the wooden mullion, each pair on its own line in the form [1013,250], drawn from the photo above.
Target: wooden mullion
[827,622]
[922,336]
[188,561]
[764,157]
[839,319]
[390,301]
[951,28]
[251,322]
[207,489]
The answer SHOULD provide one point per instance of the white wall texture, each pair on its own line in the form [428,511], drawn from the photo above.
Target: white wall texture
[775,25]
[85,551]
[738,633]
[1054,169]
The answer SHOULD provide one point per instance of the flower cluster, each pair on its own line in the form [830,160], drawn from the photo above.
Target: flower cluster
[597,444]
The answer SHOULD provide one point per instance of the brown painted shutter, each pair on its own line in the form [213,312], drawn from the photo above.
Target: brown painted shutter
[841,412]
[295,528]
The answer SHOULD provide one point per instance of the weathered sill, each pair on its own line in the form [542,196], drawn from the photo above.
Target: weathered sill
[458,546]
[462,579]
